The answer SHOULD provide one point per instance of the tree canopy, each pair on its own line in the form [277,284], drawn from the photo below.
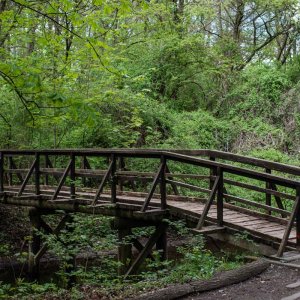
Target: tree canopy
[173,73]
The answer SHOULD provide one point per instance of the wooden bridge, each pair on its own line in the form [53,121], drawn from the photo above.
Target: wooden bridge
[216,191]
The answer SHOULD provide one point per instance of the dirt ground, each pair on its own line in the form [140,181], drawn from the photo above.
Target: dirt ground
[269,285]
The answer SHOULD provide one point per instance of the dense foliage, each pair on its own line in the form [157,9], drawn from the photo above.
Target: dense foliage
[95,244]
[147,73]
[180,74]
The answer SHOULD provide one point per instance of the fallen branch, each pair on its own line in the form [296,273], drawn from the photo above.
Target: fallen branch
[220,280]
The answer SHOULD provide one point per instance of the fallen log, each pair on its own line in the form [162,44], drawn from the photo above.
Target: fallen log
[220,280]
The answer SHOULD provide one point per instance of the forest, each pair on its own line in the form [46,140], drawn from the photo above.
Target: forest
[151,74]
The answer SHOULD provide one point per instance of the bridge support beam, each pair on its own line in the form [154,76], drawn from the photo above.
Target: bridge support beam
[34,244]
[124,250]
[130,261]
[36,249]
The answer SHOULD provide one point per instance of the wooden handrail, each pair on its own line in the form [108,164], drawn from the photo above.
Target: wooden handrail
[289,169]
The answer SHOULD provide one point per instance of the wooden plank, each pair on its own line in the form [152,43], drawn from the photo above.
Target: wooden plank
[248,222]
[152,212]
[188,186]
[259,189]
[257,204]
[256,213]
[272,230]
[208,229]
[255,226]
[241,218]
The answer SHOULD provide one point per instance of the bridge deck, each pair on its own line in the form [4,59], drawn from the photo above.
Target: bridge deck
[181,207]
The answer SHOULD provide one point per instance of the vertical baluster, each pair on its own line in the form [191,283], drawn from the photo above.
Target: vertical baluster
[268,196]
[163,190]
[83,166]
[212,173]
[37,174]
[72,177]
[1,172]
[10,166]
[121,168]
[46,167]
[298,220]
[220,197]
[114,180]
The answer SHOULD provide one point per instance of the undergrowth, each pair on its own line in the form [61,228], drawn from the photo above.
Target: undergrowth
[99,278]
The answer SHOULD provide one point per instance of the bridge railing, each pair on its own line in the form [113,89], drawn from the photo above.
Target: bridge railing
[19,168]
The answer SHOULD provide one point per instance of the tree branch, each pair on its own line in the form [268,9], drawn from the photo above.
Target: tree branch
[70,31]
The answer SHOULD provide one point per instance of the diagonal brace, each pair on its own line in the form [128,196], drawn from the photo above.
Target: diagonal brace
[62,180]
[147,249]
[153,187]
[208,203]
[103,181]
[288,229]
[56,231]
[25,181]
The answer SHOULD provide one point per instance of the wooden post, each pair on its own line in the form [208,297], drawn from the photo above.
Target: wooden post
[124,250]
[37,174]
[1,172]
[46,166]
[122,168]
[220,197]
[86,165]
[268,196]
[212,172]
[34,244]
[174,187]
[72,177]
[161,244]
[71,262]
[114,180]
[10,166]
[163,190]
[298,221]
